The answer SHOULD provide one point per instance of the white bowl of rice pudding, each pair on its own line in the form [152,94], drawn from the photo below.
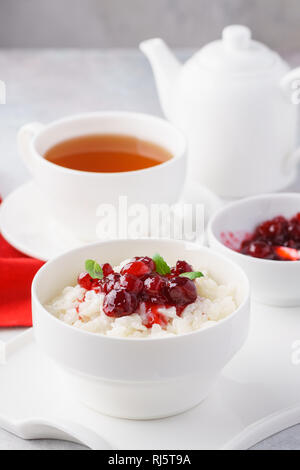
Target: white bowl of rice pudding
[135,344]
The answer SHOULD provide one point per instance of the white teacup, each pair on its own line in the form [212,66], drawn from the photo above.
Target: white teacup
[72,197]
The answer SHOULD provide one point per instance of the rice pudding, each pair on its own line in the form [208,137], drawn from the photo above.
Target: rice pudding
[143,297]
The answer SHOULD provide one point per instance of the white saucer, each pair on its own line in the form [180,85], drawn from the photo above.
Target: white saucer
[25,225]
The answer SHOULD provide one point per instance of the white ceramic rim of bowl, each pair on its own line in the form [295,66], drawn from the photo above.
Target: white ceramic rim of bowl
[117,338]
[240,203]
[110,114]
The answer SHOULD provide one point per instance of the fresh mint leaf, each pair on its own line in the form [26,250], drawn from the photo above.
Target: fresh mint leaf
[192,275]
[160,265]
[94,269]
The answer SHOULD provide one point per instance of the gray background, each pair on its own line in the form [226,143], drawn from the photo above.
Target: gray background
[123,23]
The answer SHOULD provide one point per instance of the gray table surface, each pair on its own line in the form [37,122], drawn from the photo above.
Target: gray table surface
[43,85]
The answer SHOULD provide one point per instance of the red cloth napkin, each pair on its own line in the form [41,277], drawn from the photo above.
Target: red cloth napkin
[16,274]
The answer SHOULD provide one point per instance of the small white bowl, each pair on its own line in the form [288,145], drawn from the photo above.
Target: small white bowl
[141,378]
[272,282]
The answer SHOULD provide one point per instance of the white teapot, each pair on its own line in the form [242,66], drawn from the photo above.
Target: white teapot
[236,101]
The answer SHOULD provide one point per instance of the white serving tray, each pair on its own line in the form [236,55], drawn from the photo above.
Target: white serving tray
[257,395]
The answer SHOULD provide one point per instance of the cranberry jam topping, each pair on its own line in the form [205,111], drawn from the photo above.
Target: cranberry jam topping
[119,302]
[86,281]
[153,316]
[181,291]
[144,286]
[270,237]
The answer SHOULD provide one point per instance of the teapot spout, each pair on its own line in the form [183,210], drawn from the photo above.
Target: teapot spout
[166,69]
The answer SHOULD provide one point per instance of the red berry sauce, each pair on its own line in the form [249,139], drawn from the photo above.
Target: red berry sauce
[153,316]
[269,236]
[138,288]
[87,282]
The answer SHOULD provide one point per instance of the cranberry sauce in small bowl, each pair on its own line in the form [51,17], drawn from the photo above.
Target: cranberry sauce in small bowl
[262,235]
[147,376]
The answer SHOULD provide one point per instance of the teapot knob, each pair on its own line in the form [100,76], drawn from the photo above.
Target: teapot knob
[236,37]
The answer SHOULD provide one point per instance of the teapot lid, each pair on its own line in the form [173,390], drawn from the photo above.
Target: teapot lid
[236,53]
